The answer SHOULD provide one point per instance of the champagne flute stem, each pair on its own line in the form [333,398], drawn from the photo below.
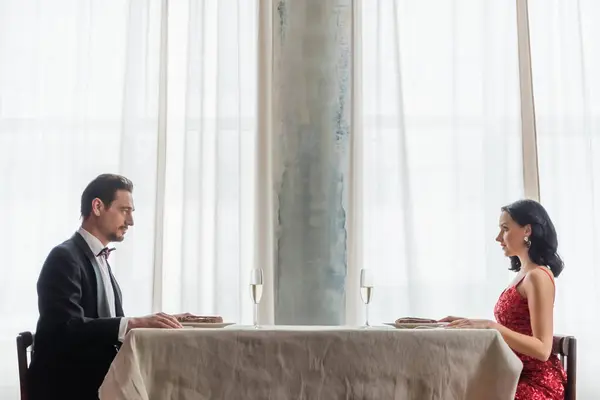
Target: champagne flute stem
[256,315]
[367,314]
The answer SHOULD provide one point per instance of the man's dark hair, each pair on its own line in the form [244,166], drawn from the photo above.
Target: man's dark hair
[104,187]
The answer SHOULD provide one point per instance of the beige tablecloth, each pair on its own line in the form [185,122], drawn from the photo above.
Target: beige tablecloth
[312,363]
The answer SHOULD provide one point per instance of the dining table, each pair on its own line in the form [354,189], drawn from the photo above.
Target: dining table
[312,362]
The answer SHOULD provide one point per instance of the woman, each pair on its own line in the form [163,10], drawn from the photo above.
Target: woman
[524,311]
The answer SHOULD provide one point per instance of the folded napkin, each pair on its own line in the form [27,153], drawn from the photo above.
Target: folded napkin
[200,319]
[415,320]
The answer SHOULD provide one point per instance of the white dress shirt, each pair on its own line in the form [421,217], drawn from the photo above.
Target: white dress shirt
[96,247]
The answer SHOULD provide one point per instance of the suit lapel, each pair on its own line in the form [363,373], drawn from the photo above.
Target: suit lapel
[101,299]
[118,294]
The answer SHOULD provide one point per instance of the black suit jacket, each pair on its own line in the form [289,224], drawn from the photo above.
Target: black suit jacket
[76,339]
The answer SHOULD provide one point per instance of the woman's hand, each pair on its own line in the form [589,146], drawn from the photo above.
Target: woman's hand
[472,324]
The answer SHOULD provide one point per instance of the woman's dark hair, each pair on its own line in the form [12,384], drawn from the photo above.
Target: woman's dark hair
[543,241]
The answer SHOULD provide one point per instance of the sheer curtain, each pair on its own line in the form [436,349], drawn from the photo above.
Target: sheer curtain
[565,63]
[441,153]
[167,96]
[210,166]
[81,94]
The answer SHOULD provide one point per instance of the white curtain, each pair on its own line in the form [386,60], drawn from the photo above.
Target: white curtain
[81,94]
[167,96]
[441,153]
[210,167]
[565,63]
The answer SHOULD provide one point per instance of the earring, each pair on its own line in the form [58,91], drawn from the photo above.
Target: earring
[527,242]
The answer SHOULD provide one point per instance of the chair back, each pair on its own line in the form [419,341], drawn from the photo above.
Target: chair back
[565,347]
[24,342]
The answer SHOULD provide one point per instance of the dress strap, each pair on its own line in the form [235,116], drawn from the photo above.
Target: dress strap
[545,269]
[519,282]
[551,276]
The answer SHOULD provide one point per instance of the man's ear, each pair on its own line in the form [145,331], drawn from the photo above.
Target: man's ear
[97,206]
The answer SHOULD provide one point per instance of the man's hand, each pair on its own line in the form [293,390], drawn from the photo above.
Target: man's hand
[160,320]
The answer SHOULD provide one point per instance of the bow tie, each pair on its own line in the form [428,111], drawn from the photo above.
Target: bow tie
[105,252]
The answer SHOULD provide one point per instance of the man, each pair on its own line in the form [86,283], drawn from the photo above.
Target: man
[81,323]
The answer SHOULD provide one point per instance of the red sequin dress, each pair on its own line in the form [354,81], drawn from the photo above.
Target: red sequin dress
[540,380]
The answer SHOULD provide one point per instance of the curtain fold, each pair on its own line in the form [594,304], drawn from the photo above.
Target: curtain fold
[211,162]
[565,60]
[441,153]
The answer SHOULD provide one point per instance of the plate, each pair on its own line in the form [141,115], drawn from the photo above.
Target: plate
[422,325]
[206,325]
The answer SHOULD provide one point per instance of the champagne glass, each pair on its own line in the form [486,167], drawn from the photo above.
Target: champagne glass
[366,291]
[256,289]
